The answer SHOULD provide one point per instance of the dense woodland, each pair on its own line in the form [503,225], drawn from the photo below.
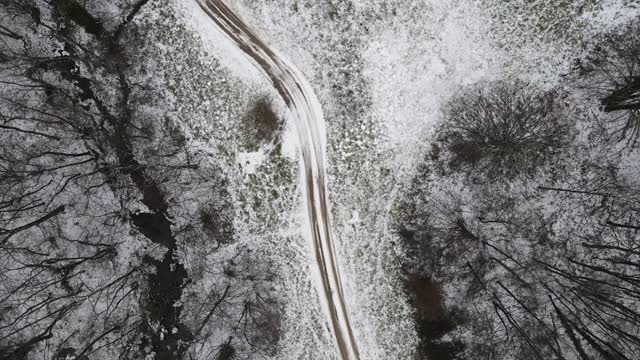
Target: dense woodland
[520,226]
[101,194]
[523,221]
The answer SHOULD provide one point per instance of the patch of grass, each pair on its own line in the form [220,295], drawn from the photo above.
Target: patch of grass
[557,20]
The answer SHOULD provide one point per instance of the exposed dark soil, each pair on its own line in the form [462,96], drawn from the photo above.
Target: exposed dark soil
[433,319]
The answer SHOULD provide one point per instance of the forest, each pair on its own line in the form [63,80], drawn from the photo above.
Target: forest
[98,186]
[522,221]
[151,198]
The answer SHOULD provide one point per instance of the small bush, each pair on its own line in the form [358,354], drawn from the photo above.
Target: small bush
[216,223]
[502,130]
[226,351]
[261,125]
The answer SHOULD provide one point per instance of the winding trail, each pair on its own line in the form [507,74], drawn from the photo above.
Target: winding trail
[309,120]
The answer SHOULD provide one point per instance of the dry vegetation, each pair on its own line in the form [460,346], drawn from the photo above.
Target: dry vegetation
[503,129]
[261,125]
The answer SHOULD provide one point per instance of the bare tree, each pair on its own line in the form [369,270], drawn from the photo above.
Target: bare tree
[503,129]
[612,77]
[90,169]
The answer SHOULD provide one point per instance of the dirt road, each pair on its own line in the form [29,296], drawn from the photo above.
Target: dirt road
[307,113]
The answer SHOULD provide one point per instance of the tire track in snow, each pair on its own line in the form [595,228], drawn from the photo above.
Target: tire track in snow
[309,120]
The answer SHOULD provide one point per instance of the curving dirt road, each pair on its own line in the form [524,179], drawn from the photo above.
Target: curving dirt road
[309,120]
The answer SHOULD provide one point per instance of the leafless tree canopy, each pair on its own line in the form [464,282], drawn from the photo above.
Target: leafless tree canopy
[545,268]
[503,129]
[93,171]
[611,75]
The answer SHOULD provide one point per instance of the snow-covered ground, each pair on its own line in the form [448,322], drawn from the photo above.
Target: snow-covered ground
[382,70]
